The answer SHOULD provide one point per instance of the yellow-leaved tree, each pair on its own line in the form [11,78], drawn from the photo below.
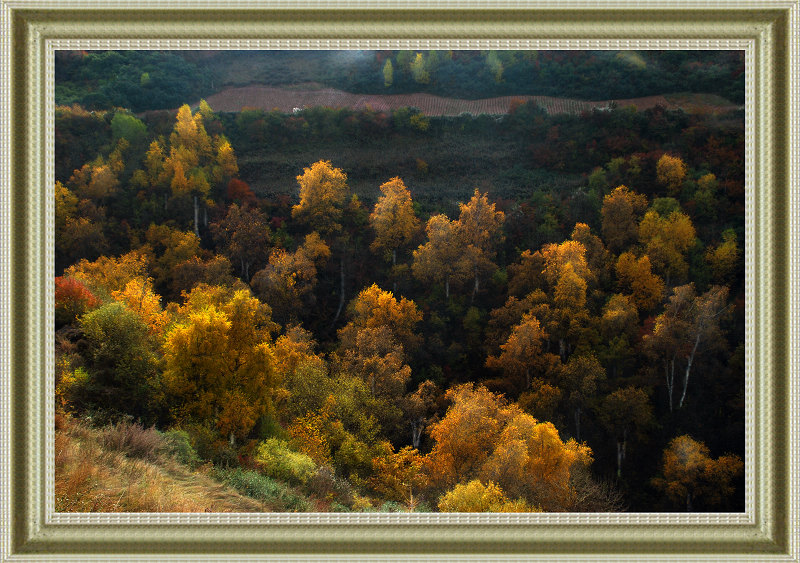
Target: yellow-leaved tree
[636,276]
[437,260]
[670,172]
[323,199]
[219,363]
[323,194]
[479,229]
[667,241]
[393,219]
[375,308]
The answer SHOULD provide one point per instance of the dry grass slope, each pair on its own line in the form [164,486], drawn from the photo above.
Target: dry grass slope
[93,477]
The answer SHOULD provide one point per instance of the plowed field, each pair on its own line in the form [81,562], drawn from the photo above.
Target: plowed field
[286,100]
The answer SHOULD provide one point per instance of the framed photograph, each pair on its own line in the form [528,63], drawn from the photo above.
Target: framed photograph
[416,281]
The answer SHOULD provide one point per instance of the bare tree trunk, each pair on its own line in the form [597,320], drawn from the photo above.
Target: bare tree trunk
[341,291]
[577,415]
[689,361]
[394,265]
[474,288]
[669,373]
[196,215]
[416,433]
[447,287]
[621,452]
[688,502]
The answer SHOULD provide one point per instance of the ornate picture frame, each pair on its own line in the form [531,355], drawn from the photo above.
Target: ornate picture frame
[768,32]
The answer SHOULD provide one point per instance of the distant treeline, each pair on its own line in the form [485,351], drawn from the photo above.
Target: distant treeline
[146,80]
[137,80]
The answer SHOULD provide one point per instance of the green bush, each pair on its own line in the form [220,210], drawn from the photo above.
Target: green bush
[178,444]
[278,460]
[263,488]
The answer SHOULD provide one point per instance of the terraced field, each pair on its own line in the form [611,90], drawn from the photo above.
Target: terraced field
[286,100]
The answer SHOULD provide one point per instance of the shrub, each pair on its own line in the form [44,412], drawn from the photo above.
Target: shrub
[177,443]
[201,439]
[392,506]
[477,497]
[261,487]
[71,390]
[276,459]
[133,440]
[325,485]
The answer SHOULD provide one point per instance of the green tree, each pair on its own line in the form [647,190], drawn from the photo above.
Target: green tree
[388,73]
[121,361]
[128,127]
[579,379]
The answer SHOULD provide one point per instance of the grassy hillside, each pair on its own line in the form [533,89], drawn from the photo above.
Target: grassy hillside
[127,469]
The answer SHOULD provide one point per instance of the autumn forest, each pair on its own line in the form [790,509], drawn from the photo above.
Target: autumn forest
[379,308]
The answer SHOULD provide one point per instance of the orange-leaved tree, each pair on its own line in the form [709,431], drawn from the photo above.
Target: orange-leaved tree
[520,355]
[690,473]
[621,211]
[636,276]
[482,436]
[288,280]
[243,235]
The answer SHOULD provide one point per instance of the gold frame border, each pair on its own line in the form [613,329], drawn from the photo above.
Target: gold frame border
[31,30]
